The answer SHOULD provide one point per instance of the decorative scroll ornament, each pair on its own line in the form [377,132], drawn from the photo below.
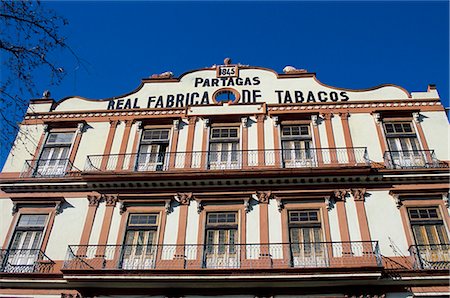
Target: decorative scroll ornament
[164,75]
[247,205]
[397,199]
[200,207]
[244,121]
[445,197]
[59,207]
[280,204]
[122,207]
[206,123]
[139,125]
[416,117]
[168,206]
[80,127]
[183,198]
[292,70]
[377,117]
[276,120]
[14,208]
[176,124]
[315,120]
[329,202]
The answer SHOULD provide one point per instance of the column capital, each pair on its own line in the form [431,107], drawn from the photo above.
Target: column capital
[192,120]
[94,200]
[262,197]
[340,194]
[359,194]
[244,121]
[111,200]
[276,121]
[344,115]
[327,116]
[183,198]
[260,117]
[113,123]
[176,124]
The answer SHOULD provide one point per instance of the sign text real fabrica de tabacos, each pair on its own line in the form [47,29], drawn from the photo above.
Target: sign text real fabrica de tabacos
[179,100]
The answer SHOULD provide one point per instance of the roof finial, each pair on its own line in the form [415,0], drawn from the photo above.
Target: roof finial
[227,61]
[46,94]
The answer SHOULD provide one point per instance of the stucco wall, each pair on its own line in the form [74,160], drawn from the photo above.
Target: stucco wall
[67,228]
[97,226]
[24,147]
[385,223]
[364,134]
[192,224]
[275,230]
[5,218]
[436,129]
[92,142]
[252,227]
[352,218]
[334,225]
[115,227]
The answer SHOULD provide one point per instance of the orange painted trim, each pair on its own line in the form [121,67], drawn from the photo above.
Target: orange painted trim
[135,148]
[109,142]
[124,144]
[173,146]
[12,226]
[48,229]
[347,137]
[88,224]
[362,220]
[76,145]
[182,224]
[277,145]
[317,143]
[343,221]
[330,137]
[203,161]
[263,222]
[260,128]
[381,138]
[40,144]
[245,145]
[190,141]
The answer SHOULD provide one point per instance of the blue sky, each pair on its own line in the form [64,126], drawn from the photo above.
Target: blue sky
[348,44]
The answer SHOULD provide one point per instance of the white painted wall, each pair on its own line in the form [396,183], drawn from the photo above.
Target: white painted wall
[192,224]
[269,141]
[352,218]
[97,226]
[5,217]
[67,228]
[436,129]
[252,227]
[118,136]
[385,223]
[324,142]
[115,227]
[334,225]
[130,144]
[24,147]
[364,134]
[92,142]
[275,224]
[171,230]
[198,140]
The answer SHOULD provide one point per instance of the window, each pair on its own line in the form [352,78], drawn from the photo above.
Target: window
[140,246]
[223,148]
[55,154]
[427,225]
[305,235]
[296,142]
[432,249]
[221,238]
[24,249]
[153,150]
[404,148]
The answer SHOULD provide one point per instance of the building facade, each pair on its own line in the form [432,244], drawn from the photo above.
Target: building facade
[229,181]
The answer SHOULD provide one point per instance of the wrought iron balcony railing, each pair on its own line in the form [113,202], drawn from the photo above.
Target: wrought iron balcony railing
[223,256]
[433,256]
[412,159]
[25,261]
[46,168]
[228,159]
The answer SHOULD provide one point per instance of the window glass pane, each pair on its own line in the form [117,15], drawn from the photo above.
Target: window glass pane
[143,220]
[60,138]
[398,127]
[32,220]
[389,128]
[407,127]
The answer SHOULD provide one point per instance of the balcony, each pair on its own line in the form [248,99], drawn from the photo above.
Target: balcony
[228,160]
[25,261]
[224,256]
[46,168]
[433,256]
[412,159]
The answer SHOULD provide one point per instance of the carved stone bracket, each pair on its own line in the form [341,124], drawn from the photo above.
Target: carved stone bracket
[416,117]
[262,196]
[111,200]
[340,194]
[14,208]
[359,194]
[377,117]
[59,207]
[122,207]
[397,199]
[168,206]
[183,198]
[206,123]
[80,127]
[139,125]
[94,200]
